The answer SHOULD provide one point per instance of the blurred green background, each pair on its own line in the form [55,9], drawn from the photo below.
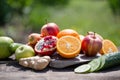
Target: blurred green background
[19,18]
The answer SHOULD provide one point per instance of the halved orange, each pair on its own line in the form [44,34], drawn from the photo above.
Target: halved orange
[108,47]
[68,46]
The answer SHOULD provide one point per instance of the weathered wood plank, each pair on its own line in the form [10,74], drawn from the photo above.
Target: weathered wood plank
[11,70]
[57,74]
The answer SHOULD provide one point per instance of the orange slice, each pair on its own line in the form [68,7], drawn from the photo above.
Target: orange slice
[108,47]
[68,46]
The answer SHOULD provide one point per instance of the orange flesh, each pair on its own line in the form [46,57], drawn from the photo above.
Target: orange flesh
[68,46]
[108,47]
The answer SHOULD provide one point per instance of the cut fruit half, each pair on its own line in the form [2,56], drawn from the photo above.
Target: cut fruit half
[108,47]
[46,46]
[68,46]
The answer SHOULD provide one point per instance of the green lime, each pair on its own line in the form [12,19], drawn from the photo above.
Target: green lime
[5,42]
[14,46]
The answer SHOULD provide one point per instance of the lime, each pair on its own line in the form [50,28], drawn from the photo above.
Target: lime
[4,47]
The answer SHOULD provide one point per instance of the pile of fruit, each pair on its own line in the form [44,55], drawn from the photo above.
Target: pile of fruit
[68,43]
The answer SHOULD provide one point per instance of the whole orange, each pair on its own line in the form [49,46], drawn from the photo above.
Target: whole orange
[68,32]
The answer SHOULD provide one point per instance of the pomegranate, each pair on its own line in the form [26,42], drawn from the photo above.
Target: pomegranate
[50,29]
[33,38]
[91,45]
[46,46]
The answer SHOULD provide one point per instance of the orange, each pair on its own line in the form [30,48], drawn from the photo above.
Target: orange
[108,47]
[68,46]
[68,32]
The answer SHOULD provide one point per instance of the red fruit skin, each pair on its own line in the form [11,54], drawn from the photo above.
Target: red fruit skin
[50,29]
[33,38]
[91,45]
[92,33]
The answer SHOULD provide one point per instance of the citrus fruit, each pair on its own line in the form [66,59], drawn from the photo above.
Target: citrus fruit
[108,46]
[5,42]
[46,46]
[68,46]
[14,46]
[68,32]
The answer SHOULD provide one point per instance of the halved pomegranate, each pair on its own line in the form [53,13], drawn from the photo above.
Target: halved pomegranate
[46,46]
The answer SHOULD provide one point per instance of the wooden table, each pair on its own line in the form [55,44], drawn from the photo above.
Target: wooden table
[11,70]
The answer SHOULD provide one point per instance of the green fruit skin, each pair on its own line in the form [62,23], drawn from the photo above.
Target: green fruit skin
[4,47]
[24,51]
[14,46]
